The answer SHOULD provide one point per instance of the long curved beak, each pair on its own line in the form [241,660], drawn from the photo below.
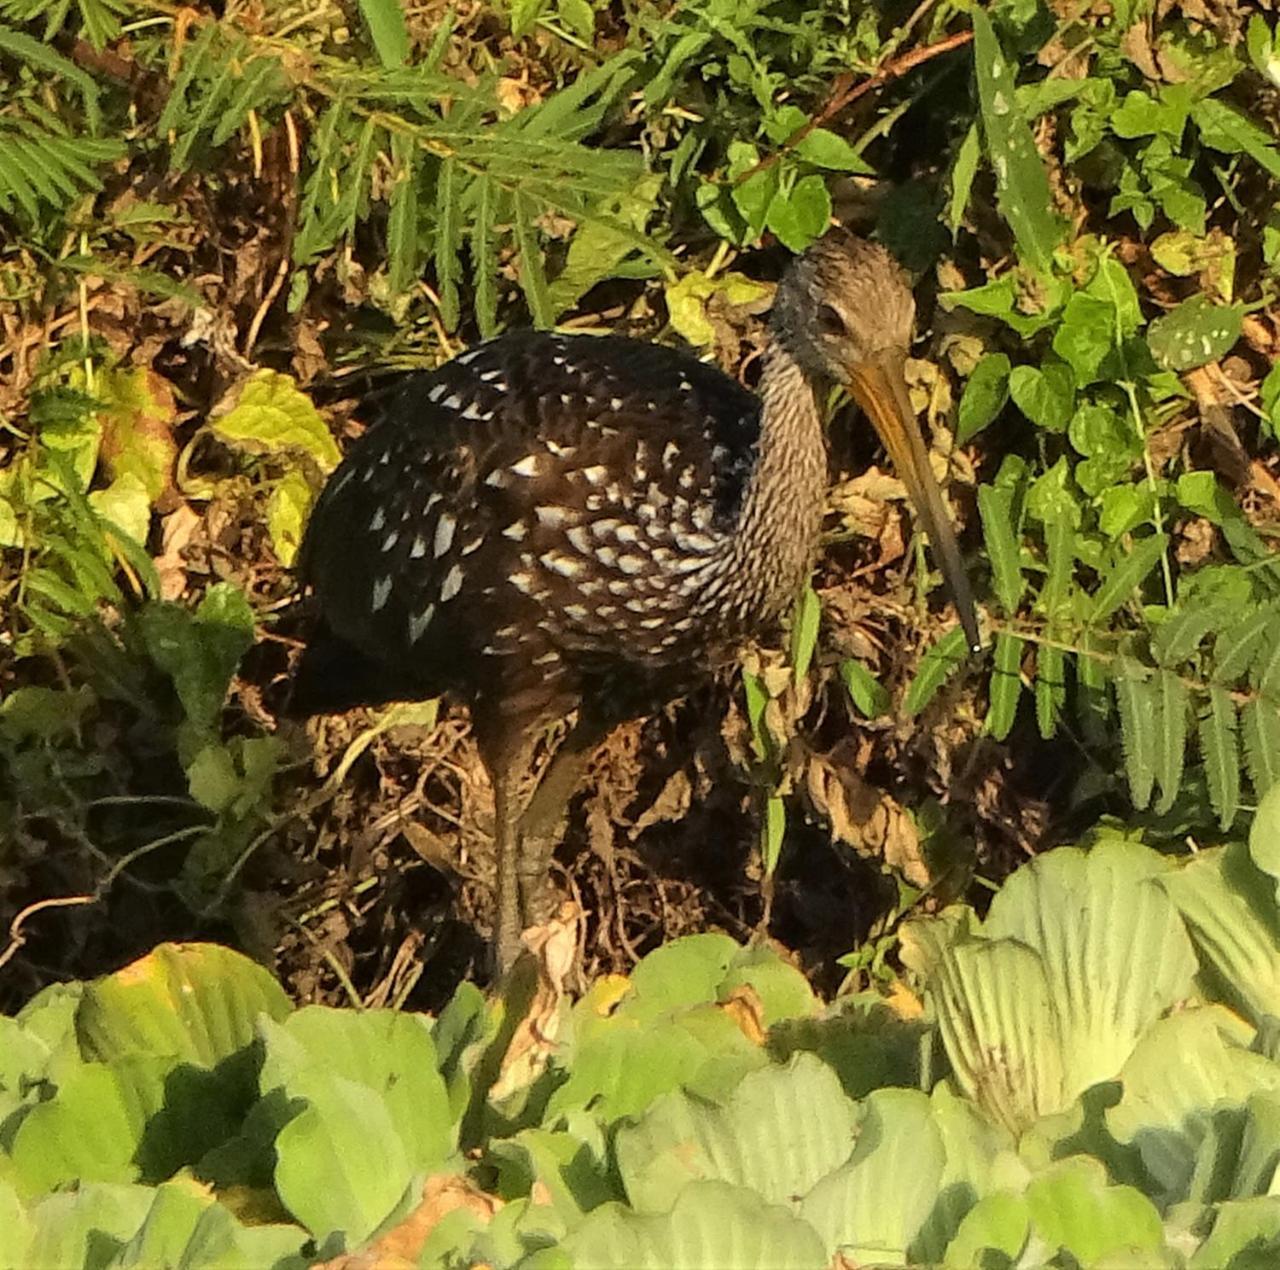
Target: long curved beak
[880,388]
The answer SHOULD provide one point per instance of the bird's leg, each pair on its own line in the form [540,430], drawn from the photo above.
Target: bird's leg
[507,753]
[542,825]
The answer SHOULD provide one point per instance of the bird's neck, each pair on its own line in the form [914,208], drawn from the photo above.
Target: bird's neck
[782,508]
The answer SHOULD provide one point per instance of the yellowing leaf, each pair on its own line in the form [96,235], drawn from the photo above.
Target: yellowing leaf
[287,510]
[137,414]
[272,416]
[126,504]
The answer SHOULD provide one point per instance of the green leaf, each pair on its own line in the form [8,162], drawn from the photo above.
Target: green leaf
[1260,726]
[1219,747]
[777,1134]
[376,1114]
[1139,707]
[1120,584]
[1022,185]
[195,1002]
[1006,685]
[1183,1070]
[271,416]
[804,632]
[448,241]
[390,35]
[874,1208]
[963,170]
[866,692]
[712,1225]
[402,215]
[1086,336]
[800,216]
[1050,688]
[1225,129]
[1171,738]
[1229,906]
[1073,1207]
[533,277]
[773,832]
[985,393]
[826,149]
[1046,394]
[1195,333]
[943,659]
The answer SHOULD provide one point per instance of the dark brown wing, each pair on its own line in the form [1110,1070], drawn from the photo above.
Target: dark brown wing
[539,499]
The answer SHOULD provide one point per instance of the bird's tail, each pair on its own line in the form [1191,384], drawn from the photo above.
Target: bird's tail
[334,676]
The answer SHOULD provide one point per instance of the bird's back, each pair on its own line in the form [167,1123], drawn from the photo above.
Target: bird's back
[542,506]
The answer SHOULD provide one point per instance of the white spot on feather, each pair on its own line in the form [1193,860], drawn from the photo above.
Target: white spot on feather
[444,535]
[419,623]
[381,591]
[452,583]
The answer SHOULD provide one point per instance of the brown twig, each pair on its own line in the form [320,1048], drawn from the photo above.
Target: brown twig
[844,93]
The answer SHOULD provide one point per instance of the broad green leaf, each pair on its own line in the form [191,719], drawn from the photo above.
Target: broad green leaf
[1225,129]
[200,651]
[1086,336]
[1092,916]
[874,1208]
[125,506]
[271,416]
[1072,1207]
[802,214]
[985,392]
[341,1165]
[1229,906]
[1246,1233]
[194,1002]
[1195,333]
[1022,186]
[390,1054]
[711,1226]
[777,1134]
[865,691]
[186,1227]
[1045,394]
[827,149]
[86,1227]
[1182,1071]
[942,661]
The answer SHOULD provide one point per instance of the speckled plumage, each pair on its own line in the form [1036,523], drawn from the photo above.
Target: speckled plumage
[551,523]
[547,512]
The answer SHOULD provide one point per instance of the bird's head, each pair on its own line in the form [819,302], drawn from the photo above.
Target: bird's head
[845,313]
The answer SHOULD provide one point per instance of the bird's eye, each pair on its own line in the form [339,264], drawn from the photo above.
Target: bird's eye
[829,320]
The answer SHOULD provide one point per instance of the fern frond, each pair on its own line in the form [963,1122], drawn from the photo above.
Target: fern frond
[1171,737]
[1220,749]
[533,278]
[1260,728]
[1139,713]
[1119,585]
[995,506]
[1179,637]
[402,219]
[1050,688]
[1006,685]
[1234,648]
[942,661]
[448,241]
[484,255]
[43,165]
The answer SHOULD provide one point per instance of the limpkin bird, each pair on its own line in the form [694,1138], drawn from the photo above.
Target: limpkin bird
[553,523]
